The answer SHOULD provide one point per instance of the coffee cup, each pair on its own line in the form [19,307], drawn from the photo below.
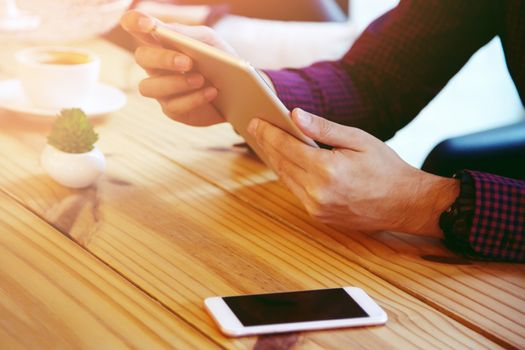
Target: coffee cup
[57,77]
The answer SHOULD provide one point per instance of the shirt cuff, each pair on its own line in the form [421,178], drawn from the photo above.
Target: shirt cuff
[498,223]
[456,222]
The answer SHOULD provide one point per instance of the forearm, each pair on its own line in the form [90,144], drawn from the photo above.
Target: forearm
[400,62]
[327,89]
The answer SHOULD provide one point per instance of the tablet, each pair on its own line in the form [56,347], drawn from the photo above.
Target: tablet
[243,93]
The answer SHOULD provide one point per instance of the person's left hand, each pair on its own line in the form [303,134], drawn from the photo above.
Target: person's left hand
[360,184]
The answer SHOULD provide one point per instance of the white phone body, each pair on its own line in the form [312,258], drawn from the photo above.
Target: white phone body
[243,93]
[232,326]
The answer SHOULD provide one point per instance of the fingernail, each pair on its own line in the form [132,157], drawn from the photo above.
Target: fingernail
[146,24]
[210,93]
[195,80]
[182,63]
[304,118]
[252,127]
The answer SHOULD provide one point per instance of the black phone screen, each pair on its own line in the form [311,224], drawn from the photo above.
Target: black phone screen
[303,306]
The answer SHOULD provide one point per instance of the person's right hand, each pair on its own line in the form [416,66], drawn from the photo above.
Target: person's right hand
[182,92]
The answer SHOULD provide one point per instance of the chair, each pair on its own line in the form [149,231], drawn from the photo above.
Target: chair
[500,151]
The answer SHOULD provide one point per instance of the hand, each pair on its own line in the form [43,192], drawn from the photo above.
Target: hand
[182,92]
[360,184]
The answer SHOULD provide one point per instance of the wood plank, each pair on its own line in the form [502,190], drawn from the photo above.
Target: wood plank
[421,266]
[182,239]
[487,297]
[474,293]
[55,295]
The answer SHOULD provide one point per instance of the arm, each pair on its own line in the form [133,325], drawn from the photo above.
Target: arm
[400,62]
[362,184]
[373,199]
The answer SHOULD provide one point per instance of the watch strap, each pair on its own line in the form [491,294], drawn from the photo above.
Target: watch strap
[456,221]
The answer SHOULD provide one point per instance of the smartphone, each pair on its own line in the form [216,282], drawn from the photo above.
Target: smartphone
[294,311]
[243,93]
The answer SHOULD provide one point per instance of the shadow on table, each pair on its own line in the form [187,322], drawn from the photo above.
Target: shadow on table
[273,199]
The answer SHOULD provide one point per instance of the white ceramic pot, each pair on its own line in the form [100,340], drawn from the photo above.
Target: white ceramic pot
[76,170]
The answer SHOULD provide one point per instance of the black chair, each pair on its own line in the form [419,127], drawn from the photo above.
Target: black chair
[500,151]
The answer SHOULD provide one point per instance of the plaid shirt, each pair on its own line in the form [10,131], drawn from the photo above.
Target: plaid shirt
[399,63]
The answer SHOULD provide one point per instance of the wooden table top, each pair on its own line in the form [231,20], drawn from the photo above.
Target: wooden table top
[181,215]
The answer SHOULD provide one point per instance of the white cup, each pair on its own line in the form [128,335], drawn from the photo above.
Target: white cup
[57,77]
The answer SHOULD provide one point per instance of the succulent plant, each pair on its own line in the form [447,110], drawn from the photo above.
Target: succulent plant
[72,132]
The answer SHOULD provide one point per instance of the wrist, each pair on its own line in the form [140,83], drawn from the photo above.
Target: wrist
[430,197]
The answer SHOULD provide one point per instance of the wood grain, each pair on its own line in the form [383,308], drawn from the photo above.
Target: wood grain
[54,295]
[182,239]
[477,294]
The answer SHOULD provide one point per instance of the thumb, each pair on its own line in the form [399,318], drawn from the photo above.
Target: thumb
[140,25]
[143,27]
[330,133]
[204,34]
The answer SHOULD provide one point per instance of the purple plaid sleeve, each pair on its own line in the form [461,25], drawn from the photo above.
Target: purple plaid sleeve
[498,224]
[399,63]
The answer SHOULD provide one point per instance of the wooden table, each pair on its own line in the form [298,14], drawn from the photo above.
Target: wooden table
[181,215]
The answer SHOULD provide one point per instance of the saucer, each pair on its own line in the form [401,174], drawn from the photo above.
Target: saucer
[103,100]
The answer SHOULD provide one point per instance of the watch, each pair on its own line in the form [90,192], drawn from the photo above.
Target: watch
[456,221]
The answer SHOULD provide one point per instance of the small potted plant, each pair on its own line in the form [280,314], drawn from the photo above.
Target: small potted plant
[70,156]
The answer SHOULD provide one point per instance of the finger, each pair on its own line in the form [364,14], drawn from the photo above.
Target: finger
[292,178]
[204,115]
[202,33]
[331,133]
[158,72]
[274,140]
[151,57]
[167,85]
[181,105]
[136,22]
[292,175]
[140,25]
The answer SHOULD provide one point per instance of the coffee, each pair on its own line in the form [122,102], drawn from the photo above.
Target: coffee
[57,77]
[64,57]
